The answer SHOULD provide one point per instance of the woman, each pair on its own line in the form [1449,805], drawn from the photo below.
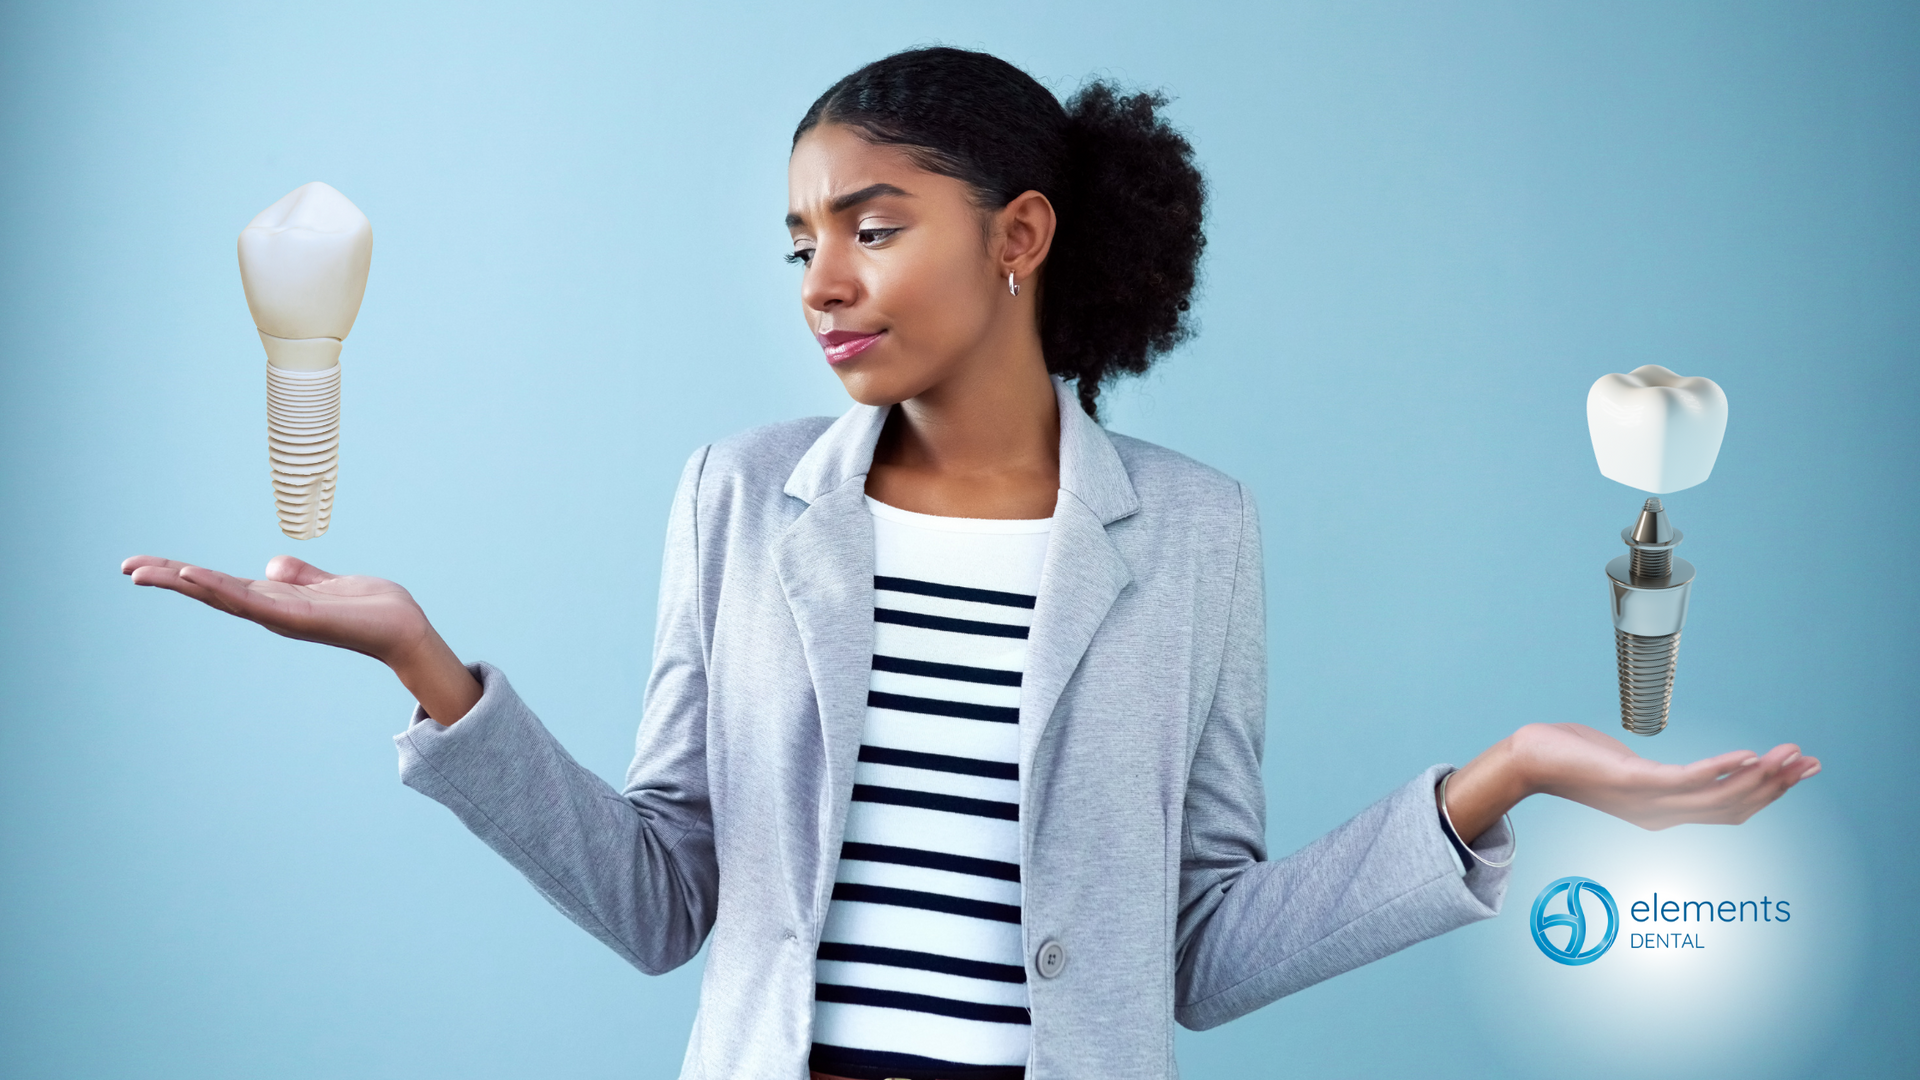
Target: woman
[951,748]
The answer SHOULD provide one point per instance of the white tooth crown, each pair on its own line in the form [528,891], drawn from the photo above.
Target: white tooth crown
[303,263]
[1655,430]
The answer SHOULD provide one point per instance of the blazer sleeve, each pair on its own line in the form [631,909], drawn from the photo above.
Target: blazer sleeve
[634,868]
[1250,930]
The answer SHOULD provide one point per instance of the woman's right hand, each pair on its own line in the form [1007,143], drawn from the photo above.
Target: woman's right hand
[365,614]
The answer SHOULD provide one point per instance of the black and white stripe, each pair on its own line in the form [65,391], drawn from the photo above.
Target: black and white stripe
[920,967]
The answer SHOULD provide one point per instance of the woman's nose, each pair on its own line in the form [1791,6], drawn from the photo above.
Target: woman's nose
[829,282]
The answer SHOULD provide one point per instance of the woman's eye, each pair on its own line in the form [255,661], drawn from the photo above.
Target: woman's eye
[803,255]
[875,236]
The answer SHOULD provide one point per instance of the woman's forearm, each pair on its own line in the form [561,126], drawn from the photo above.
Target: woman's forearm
[435,677]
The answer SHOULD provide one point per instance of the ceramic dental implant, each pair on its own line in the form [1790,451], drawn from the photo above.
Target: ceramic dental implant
[303,264]
[1650,588]
[1659,432]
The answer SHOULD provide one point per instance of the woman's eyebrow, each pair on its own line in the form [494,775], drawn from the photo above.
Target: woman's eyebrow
[843,203]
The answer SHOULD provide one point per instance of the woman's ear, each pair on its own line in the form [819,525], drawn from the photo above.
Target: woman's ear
[1024,234]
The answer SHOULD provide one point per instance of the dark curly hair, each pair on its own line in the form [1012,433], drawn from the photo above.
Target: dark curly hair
[1119,279]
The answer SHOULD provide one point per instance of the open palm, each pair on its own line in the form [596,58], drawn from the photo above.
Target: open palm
[1577,762]
[366,614]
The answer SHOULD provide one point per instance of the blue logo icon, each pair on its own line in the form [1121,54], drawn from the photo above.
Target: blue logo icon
[1575,951]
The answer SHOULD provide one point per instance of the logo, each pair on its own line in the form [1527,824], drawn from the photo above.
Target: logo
[1575,950]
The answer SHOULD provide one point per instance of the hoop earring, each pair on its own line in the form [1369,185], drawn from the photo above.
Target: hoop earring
[1011,287]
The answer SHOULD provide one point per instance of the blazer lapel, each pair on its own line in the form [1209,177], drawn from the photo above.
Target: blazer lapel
[1082,578]
[825,564]
[1084,572]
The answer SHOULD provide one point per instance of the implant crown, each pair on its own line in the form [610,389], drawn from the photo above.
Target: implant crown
[1655,430]
[303,264]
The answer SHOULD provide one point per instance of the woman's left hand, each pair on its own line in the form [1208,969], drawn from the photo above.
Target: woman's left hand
[1576,762]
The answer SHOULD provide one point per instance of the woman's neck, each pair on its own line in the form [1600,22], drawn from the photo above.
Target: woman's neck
[983,444]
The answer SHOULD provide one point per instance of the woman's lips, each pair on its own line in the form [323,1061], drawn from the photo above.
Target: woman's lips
[843,345]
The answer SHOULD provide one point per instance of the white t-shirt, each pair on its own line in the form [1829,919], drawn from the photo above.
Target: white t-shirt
[920,963]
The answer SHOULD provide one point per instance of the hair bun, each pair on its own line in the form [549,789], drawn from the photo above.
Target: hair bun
[1120,281]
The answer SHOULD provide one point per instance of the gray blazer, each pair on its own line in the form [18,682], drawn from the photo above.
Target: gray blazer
[1142,716]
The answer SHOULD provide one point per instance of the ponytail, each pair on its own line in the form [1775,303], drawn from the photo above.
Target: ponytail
[1117,287]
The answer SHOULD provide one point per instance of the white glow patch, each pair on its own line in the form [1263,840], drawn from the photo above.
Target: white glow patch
[1751,997]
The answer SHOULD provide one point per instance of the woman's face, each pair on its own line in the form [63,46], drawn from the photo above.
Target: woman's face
[903,282]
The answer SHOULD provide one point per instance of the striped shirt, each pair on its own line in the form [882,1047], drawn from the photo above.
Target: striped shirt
[921,969]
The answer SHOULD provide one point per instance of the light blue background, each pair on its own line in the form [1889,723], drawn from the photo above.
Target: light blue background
[1432,226]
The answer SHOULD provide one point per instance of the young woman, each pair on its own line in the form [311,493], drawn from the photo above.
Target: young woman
[951,749]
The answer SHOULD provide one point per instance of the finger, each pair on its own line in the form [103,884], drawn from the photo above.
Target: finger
[128,566]
[1720,766]
[1755,787]
[172,575]
[1780,758]
[168,577]
[1797,770]
[1780,768]
[1705,778]
[295,572]
[224,591]
[1793,769]
[1768,765]
[1760,773]
[164,576]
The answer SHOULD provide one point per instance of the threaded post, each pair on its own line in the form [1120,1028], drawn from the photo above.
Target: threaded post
[1652,528]
[1652,562]
[1646,679]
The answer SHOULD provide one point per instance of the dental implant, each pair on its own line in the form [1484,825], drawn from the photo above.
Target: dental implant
[1650,590]
[1659,432]
[303,265]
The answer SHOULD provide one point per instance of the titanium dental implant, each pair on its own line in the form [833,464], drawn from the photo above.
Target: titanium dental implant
[1650,588]
[1659,432]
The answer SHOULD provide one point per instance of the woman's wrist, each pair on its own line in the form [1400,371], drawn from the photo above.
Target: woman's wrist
[435,677]
[1486,788]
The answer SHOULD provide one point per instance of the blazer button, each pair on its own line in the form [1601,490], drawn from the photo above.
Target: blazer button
[1051,960]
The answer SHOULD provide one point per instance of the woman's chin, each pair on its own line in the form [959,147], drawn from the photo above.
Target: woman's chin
[872,384]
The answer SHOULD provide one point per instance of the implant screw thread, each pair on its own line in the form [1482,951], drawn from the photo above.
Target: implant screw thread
[1651,563]
[1647,664]
[1646,680]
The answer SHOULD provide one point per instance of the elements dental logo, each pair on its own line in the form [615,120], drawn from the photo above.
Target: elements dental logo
[1574,952]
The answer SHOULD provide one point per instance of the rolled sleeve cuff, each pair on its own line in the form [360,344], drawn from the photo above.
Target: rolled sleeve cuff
[444,761]
[1487,883]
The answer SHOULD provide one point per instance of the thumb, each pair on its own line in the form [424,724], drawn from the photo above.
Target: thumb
[287,569]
